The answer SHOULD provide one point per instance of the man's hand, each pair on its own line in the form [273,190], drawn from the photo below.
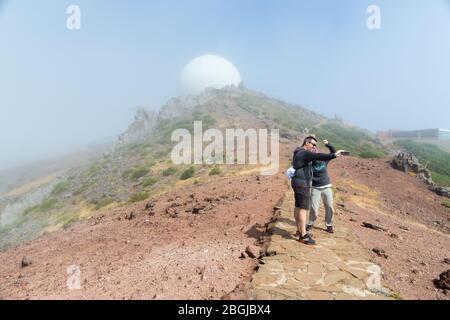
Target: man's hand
[325,142]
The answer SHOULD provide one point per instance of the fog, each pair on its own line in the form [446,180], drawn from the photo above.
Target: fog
[63,89]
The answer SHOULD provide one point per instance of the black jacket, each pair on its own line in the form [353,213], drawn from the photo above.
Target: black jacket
[320,171]
[302,163]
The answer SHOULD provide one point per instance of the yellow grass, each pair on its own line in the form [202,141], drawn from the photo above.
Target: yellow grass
[32,185]
[366,197]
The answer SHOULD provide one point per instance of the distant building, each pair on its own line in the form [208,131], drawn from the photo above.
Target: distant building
[436,134]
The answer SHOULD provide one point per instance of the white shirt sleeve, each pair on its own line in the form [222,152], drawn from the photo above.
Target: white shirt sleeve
[290,173]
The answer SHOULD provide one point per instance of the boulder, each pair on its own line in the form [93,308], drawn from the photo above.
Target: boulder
[149,206]
[198,209]
[130,216]
[26,262]
[380,252]
[253,251]
[396,236]
[374,227]
[444,281]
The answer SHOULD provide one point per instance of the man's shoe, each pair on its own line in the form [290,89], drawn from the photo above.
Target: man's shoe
[309,227]
[307,239]
[330,229]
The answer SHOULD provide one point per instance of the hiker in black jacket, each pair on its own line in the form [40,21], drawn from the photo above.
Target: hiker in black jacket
[302,182]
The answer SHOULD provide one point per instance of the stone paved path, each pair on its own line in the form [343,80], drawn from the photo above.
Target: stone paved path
[337,268]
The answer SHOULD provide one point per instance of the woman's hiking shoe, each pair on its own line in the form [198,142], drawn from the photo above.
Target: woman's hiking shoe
[307,239]
[330,229]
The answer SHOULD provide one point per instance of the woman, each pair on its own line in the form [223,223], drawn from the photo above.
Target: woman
[302,182]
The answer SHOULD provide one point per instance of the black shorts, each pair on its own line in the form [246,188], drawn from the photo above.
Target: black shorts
[302,197]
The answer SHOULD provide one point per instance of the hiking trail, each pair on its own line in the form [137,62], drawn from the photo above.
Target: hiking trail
[337,268]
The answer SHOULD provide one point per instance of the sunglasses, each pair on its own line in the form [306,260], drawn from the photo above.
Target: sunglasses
[313,144]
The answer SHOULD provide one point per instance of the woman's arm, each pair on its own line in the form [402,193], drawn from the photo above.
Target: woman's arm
[331,148]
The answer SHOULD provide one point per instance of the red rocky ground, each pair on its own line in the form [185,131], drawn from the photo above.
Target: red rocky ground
[416,241]
[189,244]
[186,245]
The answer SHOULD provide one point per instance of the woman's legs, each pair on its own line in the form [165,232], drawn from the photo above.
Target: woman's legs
[327,196]
[316,194]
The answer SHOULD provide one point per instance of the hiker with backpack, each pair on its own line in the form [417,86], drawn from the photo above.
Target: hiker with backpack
[302,176]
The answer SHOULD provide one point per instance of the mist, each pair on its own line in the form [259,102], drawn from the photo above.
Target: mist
[62,90]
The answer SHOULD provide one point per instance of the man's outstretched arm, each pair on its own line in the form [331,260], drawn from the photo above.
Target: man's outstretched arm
[310,156]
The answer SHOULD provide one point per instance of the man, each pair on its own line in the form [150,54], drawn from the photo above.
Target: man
[322,189]
[302,181]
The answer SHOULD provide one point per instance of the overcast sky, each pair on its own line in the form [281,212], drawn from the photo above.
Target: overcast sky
[62,89]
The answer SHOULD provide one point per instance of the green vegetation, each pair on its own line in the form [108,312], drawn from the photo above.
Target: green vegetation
[188,173]
[67,220]
[396,296]
[355,140]
[169,171]
[287,116]
[84,187]
[103,203]
[4,230]
[136,173]
[139,173]
[60,188]
[446,204]
[215,171]
[166,127]
[368,151]
[137,147]
[46,205]
[139,197]
[149,182]
[431,156]
[151,164]
[93,170]
[161,154]
[207,120]
[442,180]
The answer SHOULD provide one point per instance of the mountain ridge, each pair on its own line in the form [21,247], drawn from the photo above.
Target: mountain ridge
[139,166]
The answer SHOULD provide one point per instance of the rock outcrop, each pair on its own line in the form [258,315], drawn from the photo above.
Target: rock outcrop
[444,281]
[407,162]
[141,128]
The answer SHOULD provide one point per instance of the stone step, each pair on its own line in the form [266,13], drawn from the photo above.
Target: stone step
[337,268]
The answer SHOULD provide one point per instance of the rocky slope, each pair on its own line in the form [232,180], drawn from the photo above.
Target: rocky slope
[202,241]
[413,241]
[133,225]
[189,244]
[139,165]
